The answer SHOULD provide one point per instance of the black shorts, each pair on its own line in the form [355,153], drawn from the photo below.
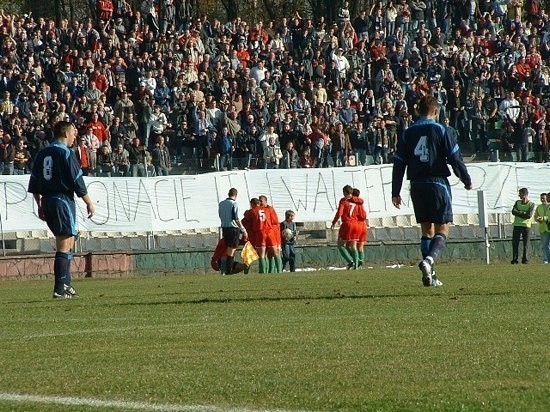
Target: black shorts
[432,200]
[231,235]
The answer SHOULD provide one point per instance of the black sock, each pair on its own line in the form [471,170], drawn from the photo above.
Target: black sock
[61,269]
[425,242]
[230,265]
[437,245]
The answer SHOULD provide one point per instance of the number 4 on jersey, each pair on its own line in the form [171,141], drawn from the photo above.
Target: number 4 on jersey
[47,168]
[421,149]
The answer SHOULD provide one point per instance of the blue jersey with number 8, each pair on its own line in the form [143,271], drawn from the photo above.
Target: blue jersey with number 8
[56,171]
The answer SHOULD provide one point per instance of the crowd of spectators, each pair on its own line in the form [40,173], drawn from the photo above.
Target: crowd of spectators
[156,87]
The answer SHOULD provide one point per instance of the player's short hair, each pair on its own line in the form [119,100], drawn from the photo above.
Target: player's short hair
[254,202]
[61,128]
[427,105]
[355,192]
[232,192]
[348,190]
[289,213]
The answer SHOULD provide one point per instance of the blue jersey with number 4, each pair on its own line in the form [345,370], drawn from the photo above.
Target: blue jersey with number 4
[56,171]
[424,150]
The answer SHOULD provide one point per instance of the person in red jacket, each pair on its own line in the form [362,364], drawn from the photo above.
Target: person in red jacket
[105,9]
[219,252]
[100,80]
[98,128]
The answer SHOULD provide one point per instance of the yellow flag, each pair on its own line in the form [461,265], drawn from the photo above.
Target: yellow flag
[249,254]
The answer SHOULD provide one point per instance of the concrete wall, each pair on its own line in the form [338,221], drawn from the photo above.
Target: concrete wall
[37,266]
[105,264]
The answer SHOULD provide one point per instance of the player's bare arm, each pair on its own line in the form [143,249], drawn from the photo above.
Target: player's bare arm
[90,208]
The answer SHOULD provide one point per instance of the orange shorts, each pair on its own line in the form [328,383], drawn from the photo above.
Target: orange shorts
[347,232]
[273,237]
[362,232]
[267,238]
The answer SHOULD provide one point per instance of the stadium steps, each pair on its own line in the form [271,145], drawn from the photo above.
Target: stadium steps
[165,242]
[399,228]
[46,245]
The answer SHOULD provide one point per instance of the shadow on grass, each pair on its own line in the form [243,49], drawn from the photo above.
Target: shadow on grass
[106,300]
[305,298]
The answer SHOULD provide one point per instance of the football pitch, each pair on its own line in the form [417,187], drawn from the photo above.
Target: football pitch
[372,339]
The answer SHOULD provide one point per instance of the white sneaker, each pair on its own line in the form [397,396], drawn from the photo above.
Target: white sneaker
[426,269]
[70,290]
[435,281]
[64,295]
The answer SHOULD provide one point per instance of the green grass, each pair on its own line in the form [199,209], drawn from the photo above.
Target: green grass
[346,340]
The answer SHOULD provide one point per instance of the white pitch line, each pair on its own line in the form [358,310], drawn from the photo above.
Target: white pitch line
[125,405]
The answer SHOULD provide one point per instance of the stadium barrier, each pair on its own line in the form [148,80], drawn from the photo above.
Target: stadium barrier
[321,256]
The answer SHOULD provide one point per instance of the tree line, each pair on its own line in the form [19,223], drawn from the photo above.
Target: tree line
[250,10]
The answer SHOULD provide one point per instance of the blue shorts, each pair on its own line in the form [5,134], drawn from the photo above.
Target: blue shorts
[60,214]
[432,200]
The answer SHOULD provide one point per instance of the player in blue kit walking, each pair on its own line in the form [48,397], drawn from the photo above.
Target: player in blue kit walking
[55,178]
[424,151]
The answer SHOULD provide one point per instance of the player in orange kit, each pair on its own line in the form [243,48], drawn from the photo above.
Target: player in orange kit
[273,239]
[362,223]
[348,234]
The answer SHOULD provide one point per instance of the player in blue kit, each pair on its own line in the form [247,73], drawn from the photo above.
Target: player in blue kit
[55,178]
[424,151]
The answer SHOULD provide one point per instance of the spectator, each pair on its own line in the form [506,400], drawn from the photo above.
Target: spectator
[127,61]
[519,139]
[118,133]
[306,161]
[405,75]
[341,145]
[272,154]
[245,146]
[121,164]
[161,158]
[290,159]
[131,127]
[360,142]
[144,118]
[21,158]
[168,17]
[137,158]
[98,129]
[225,147]
[159,123]
[83,156]
[8,154]
[510,107]
[105,165]
[346,113]
[92,146]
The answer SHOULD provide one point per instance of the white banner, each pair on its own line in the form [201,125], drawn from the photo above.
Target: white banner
[191,201]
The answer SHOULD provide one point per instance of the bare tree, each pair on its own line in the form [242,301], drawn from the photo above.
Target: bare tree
[232,8]
[324,8]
